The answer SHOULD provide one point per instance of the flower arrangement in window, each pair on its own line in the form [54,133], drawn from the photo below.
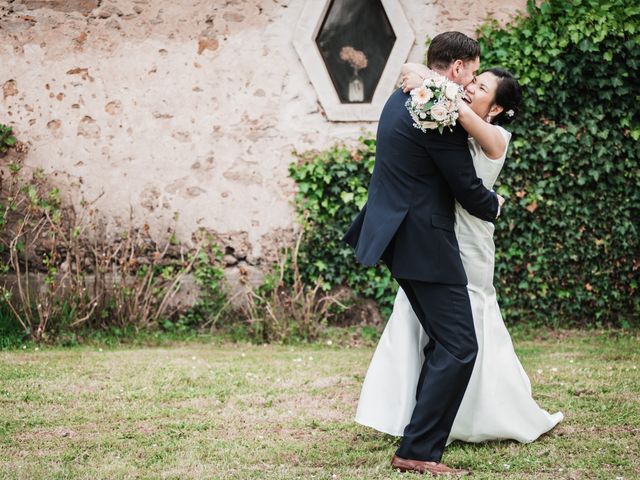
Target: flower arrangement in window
[358,61]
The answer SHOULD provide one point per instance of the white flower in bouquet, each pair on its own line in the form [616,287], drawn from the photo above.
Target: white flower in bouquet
[434,81]
[434,104]
[451,90]
[421,95]
[439,112]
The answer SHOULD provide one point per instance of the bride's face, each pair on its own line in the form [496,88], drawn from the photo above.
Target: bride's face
[480,94]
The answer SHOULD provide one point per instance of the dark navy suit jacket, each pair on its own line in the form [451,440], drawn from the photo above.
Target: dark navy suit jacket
[409,215]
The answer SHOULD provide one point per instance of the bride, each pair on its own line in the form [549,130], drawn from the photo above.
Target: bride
[497,403]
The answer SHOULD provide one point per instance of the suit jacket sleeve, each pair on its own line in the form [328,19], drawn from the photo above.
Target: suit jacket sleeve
[450,152]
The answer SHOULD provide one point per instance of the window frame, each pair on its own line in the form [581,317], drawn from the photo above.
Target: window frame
[304,41]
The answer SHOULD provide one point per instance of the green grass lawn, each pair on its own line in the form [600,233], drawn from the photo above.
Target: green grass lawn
[238,411]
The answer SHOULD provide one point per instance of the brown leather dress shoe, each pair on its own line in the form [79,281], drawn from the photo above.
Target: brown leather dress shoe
[420,466]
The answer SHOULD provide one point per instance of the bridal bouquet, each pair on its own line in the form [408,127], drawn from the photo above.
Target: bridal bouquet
[434,104]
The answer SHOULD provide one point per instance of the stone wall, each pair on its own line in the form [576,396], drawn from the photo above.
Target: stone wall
[169,106]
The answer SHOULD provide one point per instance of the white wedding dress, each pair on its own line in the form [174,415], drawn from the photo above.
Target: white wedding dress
[497,403]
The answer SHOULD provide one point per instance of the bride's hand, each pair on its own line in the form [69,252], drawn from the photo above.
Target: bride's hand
[465,112]
[463,107]
[410,80]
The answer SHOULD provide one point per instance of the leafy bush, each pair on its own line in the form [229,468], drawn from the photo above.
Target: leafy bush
[567,245]
[212,302]
[567,242]
[332,187]
[7,140]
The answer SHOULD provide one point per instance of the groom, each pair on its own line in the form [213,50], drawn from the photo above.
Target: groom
[408,222]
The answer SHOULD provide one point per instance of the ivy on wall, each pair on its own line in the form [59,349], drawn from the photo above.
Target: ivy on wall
[332,187]
[567,241]
[567,247]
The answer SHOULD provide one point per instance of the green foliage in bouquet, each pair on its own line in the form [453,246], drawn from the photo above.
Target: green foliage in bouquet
[568,249]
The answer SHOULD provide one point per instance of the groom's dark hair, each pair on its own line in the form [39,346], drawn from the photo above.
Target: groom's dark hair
[447,47]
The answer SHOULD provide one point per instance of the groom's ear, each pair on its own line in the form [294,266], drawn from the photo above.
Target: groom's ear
[456,68]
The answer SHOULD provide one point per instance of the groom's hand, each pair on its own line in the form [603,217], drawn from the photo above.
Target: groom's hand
[500,203]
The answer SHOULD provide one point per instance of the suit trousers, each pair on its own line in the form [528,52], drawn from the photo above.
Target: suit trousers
[445,313]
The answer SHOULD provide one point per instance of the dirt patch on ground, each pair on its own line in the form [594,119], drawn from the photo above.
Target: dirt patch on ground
[58,433]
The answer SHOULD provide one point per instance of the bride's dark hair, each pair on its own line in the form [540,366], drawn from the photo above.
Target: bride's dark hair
[508,95]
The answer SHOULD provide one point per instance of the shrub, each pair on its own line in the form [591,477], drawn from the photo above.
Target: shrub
[285,308]
[567,245]
[332,187]
[208,274]
[7,140]
[30,219]
[70,272]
